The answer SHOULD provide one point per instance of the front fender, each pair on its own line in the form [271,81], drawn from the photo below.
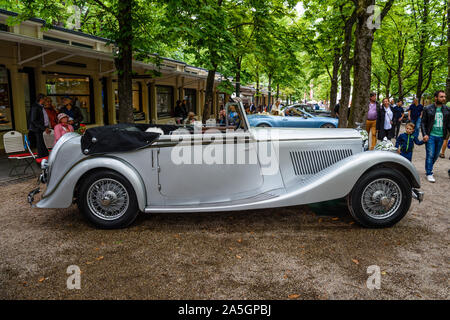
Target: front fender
[338,180]
[60,195]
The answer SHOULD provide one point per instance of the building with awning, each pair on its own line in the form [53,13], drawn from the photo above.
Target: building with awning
[61,62]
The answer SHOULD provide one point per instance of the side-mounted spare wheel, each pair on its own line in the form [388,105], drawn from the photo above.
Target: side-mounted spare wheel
[380,198]
[107,200]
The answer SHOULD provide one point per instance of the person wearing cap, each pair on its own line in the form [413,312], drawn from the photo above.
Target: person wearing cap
[72,111]
[62,127]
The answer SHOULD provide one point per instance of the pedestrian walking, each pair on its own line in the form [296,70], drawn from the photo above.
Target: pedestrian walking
[39,122]
[399,113]
[415,114]
[385,121]
[435,125]
[371,121]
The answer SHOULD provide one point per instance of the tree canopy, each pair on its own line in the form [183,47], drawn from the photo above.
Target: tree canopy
[397,48]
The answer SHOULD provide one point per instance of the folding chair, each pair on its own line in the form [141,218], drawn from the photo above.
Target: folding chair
[49,139]
[34,155]
[13,143]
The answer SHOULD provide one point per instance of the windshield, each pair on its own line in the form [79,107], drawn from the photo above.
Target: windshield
[234,117]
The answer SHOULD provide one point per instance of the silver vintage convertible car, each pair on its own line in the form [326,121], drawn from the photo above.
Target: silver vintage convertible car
[114,172]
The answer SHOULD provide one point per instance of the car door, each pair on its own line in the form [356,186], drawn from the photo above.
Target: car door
[209,167]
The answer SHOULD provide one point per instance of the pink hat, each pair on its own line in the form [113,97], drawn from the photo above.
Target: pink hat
[62,115]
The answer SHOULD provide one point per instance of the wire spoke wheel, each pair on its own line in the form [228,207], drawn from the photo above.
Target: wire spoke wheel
[381,198]
[108,199]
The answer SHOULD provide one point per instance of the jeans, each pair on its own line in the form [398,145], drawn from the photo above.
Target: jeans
[417,128]
[396,126]
[433,148]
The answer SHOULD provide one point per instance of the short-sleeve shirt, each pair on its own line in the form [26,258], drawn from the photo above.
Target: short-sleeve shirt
[438,126]
[398,112]
[372,114]
[415,111]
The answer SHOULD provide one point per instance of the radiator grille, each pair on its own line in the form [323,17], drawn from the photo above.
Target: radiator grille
[312,161]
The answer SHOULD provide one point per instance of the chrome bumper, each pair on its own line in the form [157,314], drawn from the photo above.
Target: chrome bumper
[43,178]
[418,195]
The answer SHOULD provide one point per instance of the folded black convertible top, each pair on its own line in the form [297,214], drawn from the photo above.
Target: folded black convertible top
[120,137]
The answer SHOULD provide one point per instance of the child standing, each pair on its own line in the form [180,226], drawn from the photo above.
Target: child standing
[405,142]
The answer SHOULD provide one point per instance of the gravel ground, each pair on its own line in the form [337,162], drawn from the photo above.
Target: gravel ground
[297,252]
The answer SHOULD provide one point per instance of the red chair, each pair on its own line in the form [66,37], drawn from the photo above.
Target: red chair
[14,145]
[34,155]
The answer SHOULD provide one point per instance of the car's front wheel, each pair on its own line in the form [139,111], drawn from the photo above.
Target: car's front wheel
[263,125]
[107,200]
[380,198]
[328,125]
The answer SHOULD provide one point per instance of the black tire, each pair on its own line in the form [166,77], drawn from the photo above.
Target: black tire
[263,125]
[397,181]
[128,212]
[327,125]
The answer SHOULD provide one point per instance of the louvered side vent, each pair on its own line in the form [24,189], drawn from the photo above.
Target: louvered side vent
[312,161]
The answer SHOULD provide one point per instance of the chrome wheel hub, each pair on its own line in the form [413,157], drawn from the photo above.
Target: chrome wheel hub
[381,198]
[107,199]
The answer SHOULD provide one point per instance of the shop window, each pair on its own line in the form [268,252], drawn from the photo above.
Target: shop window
[190,95]
[137,101]
[6,114]
[164,101]
[77,87]
[221,101]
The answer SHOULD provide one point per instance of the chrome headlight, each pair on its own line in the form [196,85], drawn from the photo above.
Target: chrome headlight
[365,138]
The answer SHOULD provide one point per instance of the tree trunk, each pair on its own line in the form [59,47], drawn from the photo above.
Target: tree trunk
[345,71]
[209,94]
[270,90]
[362,70]
[364,36]
[257,89]
[447,89]
[278,91]
[422,43]
[388,83]
[378,89]
[401,58]
[334,81]
[124,60]
[238,76]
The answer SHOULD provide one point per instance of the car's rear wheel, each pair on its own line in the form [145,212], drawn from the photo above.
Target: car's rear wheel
[380,198]
[328,125]
[107,200]
[263,125]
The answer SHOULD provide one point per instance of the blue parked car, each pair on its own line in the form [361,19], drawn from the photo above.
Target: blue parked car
[292,117]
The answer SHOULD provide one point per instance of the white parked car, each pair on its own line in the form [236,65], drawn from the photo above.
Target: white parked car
[112,173]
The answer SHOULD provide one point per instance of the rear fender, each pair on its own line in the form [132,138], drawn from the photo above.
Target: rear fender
[62,192]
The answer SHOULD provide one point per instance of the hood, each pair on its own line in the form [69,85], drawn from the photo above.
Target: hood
[262,134]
